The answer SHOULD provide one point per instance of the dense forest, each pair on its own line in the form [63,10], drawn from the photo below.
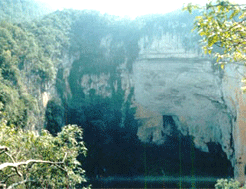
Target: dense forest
[22,10]
[35,43]
[32,49]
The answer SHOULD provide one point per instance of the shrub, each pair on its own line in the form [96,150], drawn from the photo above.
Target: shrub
[32,160]
[227,184]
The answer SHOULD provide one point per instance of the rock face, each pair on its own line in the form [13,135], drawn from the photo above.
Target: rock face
[236,103]
[204,101]
[169,85]
[188,90]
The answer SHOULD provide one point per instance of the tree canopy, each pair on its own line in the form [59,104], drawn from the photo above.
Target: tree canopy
[222,25]
[32,160]
[19,10]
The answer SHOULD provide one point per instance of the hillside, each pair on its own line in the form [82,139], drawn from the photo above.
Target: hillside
[77,67]
[22,10]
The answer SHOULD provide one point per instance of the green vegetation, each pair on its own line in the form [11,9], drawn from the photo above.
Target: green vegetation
[223,27]
[35,51]
[19,10]
[32,160]
[29,55]
[230,184]
[13,92]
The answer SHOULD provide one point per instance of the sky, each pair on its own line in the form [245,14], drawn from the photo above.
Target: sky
[128,8]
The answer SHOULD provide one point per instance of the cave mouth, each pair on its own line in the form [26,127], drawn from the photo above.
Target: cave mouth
[190,160]
[115,150]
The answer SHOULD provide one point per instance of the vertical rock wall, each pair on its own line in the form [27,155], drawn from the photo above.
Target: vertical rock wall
[236,103]
[168,79]
[204,101]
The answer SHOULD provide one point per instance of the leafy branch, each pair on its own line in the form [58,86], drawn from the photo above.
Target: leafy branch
[222,25]
[40,160]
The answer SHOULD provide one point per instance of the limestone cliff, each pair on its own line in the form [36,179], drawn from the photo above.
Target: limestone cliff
[152,79]
[236,104]
[139,86]
[204,101]
[187,87]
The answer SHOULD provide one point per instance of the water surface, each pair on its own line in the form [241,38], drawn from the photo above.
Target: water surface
[154,182]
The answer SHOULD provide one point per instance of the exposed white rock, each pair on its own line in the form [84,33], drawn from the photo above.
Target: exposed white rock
[166,46]
[236,102]
[204,102]
[100,83]
[188,89]
[169,80]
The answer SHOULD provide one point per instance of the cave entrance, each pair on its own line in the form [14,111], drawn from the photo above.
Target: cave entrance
[183,158]
[119,151]
[167,119]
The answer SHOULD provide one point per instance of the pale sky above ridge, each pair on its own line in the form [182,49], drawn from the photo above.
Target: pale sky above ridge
[129,8]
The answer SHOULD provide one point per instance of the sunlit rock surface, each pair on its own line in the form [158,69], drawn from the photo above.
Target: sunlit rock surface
[236,104]
[204,101]
[167,81]
[167,45]
[190,91]
[151,126]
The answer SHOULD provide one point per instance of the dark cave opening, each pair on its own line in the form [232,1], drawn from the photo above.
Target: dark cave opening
[115,150]
[192,160]
[180,156]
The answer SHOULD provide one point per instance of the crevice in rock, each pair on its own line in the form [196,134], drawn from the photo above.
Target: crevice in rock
[231,139]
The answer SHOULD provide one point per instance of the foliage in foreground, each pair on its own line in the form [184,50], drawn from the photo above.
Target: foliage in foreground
[30,160]
[222,25]
[228,184]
